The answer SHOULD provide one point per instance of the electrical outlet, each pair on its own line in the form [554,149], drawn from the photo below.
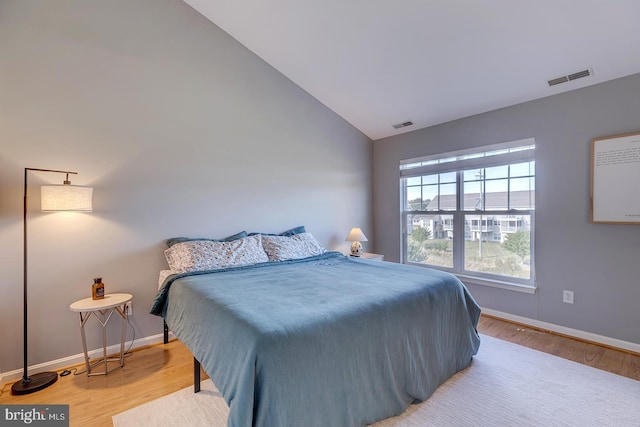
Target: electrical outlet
[129,309]
[567,296]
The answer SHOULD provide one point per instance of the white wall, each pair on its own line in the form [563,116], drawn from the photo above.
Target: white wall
[599,262]
[180,130]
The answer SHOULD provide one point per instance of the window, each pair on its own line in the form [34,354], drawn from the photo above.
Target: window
[472,213]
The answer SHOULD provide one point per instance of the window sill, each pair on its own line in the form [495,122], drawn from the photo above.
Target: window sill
[528,289]
[476,280]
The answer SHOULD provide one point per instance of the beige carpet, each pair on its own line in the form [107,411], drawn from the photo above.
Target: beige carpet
[506,385]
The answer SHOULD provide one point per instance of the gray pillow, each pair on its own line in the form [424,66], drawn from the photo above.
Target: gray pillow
[291,232]
[175,240]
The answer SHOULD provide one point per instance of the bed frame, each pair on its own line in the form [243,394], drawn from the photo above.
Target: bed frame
[196,363]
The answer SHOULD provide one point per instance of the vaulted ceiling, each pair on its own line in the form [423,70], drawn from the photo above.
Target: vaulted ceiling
[379,63]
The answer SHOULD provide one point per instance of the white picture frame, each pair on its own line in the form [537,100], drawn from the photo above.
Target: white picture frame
[615,179]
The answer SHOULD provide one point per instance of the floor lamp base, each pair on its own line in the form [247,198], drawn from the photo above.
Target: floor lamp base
[37,382]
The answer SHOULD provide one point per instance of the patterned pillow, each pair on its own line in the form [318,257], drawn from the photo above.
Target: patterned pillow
[280,248]
[199,255]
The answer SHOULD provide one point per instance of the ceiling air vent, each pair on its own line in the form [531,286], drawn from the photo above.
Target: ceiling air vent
[557,81]
[402,125]
[570,77]
[579,75]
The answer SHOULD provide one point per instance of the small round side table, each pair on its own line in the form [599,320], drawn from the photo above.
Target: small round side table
[102,310]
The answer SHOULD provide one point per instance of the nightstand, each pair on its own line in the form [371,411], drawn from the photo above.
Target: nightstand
[102,310]
[369,255]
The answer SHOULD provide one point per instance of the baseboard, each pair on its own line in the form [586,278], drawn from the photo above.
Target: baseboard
[575,333]
[76,359]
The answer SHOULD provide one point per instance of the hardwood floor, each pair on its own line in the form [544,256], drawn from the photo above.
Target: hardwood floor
[618,362]
[158,370]
[149,373]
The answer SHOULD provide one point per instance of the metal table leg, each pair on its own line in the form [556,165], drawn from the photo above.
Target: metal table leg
[103,318]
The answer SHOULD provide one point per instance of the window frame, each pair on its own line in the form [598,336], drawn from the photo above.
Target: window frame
[460,161]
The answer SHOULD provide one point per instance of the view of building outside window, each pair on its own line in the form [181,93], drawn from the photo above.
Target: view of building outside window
[495,208]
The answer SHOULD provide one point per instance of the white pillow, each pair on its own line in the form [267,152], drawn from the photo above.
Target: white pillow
[200,255]
[281,248]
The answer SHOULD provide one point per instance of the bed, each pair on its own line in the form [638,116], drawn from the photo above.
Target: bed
[321,340]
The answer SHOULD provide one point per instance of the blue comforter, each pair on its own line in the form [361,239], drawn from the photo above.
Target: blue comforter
[324,341]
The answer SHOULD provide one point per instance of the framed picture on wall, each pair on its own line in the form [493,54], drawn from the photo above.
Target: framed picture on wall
[615,179]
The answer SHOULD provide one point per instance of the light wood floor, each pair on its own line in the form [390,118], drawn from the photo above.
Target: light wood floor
[158,370]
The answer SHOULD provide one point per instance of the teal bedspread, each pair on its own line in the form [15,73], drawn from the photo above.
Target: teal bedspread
[324,341]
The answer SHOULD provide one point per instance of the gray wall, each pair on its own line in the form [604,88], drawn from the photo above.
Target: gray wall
[599,262]
[179,129]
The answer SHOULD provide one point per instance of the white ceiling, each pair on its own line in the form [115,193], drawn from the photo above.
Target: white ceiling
[377,63]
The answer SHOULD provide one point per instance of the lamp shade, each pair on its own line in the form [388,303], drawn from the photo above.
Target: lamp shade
[356,235]
[66,197]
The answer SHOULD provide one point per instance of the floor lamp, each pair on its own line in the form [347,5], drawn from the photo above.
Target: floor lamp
[65,197]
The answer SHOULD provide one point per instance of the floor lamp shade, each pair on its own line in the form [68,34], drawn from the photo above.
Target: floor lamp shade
[64,197]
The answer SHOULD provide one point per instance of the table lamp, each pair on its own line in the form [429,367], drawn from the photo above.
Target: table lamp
[355,237]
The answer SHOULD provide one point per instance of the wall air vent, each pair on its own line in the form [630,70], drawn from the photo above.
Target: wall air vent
[570,77]
[402,125]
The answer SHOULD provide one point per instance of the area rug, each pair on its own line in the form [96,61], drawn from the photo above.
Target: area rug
[506,385]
